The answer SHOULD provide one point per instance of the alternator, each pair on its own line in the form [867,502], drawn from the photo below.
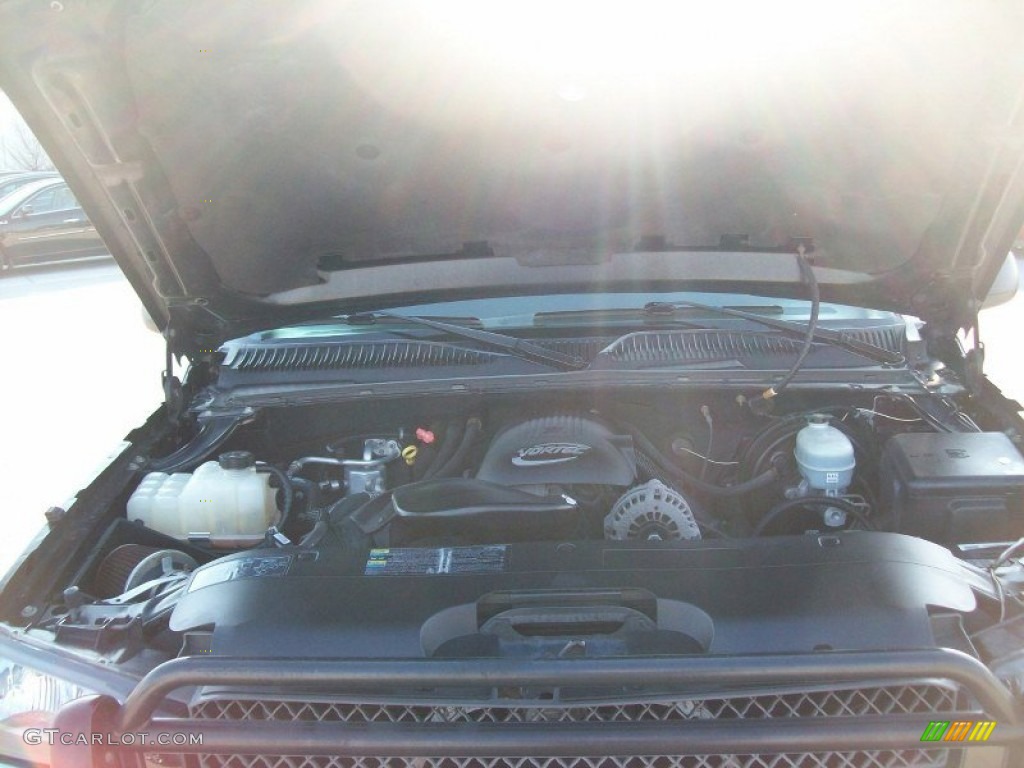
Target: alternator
[651,512]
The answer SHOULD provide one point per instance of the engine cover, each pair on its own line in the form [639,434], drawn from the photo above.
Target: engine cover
[565,449]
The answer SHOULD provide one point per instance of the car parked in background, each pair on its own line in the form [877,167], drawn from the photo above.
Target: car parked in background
[10,181]
[42,222]
[6,173]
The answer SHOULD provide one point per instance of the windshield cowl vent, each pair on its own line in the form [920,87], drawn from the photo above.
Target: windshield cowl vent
[383,354]
[701,345]
[585,348]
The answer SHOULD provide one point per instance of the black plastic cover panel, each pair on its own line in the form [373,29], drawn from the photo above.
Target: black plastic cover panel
[954,487]
[956,461]
[856,591]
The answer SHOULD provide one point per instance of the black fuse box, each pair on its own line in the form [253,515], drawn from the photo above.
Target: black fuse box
[954,487]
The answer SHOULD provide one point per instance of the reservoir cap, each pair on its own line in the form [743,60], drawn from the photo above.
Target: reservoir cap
[236,460]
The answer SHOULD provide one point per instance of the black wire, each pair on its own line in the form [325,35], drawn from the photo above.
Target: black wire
[822,501]
[929,418]
[686,480]
[807,275]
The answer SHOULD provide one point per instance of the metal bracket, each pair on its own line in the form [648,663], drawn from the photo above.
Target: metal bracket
[974,367]
[174,396]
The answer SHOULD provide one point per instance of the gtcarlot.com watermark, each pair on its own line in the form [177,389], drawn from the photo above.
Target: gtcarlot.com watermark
[53,736]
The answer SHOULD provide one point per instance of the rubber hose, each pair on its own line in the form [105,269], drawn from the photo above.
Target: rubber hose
[346,507]
[690,481]
[336,515]
[315,534]
[339,517]
[824,501]
[458,459]
[448,445]
[308,488]
[286,489]
[807,276]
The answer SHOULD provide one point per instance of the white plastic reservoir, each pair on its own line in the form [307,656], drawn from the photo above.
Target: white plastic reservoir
[228,503]
[824,456]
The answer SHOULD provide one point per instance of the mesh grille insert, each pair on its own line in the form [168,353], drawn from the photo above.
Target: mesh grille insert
[926,699]
[915,758]
[850,702]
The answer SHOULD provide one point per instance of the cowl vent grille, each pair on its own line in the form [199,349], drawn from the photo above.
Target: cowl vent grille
[700,346]
[650,347]
[585,348]
[890,338]
[381,354]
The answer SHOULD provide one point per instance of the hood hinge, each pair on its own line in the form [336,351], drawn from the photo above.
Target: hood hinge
[941,303]
[974,364]
[174,396]
[974,360]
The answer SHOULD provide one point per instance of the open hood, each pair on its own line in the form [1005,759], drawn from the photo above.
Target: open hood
[251,164]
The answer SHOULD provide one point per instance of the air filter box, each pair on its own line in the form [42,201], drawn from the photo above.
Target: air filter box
[954,487]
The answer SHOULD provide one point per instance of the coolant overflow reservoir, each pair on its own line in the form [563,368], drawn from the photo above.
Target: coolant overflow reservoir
[228,502]
[824,456]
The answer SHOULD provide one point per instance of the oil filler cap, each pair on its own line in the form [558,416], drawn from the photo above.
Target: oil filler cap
[236,460]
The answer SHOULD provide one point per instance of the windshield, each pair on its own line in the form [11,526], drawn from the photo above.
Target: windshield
[523,312]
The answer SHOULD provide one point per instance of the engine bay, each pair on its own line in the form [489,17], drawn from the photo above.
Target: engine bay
[595,525]
[621,472]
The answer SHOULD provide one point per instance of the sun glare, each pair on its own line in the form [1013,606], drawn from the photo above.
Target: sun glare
[577,37]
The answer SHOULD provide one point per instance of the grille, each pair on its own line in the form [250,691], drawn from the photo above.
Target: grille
[852,702]
[917,758]
[925,699]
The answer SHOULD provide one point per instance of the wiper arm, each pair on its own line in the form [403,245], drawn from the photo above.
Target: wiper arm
[515,346]
[837,338]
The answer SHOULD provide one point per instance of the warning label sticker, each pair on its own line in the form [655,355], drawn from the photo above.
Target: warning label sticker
[441,560]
